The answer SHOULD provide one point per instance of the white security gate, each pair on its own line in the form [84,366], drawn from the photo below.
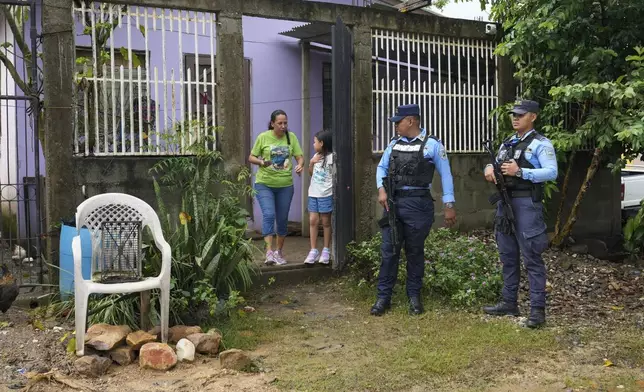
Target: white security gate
[453,80]
[138,92]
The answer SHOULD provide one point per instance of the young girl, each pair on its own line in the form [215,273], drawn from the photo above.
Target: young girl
[321,195]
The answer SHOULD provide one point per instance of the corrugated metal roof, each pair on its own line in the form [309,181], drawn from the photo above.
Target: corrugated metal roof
[317,32]
[320,32]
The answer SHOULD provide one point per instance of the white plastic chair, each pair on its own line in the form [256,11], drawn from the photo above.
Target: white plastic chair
[116,207]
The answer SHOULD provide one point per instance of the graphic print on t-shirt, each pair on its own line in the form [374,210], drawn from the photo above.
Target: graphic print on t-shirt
[322,178]
[279,157]
[320,175]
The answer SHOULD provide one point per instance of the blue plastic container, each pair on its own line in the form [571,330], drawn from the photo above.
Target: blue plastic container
[67,234]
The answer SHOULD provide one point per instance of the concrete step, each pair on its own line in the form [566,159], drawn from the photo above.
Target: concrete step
[292,274]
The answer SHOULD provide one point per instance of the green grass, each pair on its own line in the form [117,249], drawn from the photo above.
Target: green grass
[387,353]
[398,352]
[444,349]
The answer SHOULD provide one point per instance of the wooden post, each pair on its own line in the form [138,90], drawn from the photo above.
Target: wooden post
[145,310]
[306,133]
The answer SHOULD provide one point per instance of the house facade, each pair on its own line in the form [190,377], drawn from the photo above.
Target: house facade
[144,75]
[167,58]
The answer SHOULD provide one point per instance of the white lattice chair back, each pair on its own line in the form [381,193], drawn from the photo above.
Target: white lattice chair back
[117,207]
[114,207]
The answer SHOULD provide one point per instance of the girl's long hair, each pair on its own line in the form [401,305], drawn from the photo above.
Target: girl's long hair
[325,137]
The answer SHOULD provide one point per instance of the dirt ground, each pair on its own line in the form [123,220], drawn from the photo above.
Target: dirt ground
[319,337]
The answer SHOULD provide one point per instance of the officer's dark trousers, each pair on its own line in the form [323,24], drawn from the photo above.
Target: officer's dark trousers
[416,216]
[531,241]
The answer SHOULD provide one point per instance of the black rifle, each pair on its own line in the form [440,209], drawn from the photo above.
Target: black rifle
[505,222]
[387,182]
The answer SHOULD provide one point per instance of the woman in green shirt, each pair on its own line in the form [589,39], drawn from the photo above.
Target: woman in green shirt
[273,151]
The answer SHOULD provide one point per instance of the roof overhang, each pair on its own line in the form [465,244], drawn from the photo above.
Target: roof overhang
[315,32]
[320,32]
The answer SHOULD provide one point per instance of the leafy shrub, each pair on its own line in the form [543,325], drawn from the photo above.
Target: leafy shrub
[364,258]
[211,259]
[464,270]
[634,233]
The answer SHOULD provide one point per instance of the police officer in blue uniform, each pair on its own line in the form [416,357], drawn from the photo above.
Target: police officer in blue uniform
[528,160]
[410,160]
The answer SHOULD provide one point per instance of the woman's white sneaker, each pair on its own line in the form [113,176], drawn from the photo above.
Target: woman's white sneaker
[279,259]
[270,257]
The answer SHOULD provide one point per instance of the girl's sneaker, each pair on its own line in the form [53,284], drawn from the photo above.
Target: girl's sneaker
[326,256]
[313,256]
[279,259]
[270,257]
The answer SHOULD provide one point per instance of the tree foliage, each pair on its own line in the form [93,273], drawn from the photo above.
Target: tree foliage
[17,18]
[583,61]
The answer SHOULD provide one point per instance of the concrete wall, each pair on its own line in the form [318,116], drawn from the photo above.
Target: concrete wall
[600,211]
[470,190]
[599,214]
[124,175]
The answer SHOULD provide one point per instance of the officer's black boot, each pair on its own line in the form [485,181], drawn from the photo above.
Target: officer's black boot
[502,309]
[415,306]
[380,307]
[537,317]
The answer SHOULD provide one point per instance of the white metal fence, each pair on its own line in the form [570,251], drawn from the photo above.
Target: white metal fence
[453,80]
[145,80]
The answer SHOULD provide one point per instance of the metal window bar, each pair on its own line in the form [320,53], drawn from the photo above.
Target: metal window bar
[131,101]
[21,184]
[453,80]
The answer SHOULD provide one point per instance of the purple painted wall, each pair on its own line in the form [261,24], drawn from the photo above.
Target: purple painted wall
[275,84]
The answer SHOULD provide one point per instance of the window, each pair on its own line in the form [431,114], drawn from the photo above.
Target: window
[199,78]
[108,118]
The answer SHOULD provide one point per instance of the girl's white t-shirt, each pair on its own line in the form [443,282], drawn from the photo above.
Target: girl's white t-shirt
[322,178]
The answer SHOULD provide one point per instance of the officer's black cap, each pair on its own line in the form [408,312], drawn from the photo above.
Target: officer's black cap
[405,110]
[526,106]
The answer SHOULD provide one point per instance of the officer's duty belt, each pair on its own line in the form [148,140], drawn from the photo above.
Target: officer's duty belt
[520,193]
[413,193]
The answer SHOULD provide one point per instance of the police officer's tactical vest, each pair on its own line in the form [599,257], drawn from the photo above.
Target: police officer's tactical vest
[516,151]
[407,163]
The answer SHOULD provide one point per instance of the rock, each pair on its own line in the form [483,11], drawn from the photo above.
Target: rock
[137,339]
[214,331]
[156,331]
[105,337]
[579,248]
[92,365]
[548,287]
[205,343]
[158,356]
[234,359]
[179,332]
[566,264]
[597,248]
[185,350]
[123,355]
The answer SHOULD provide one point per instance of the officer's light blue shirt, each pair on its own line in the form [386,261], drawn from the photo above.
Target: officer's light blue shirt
[541,154]
[433,151]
